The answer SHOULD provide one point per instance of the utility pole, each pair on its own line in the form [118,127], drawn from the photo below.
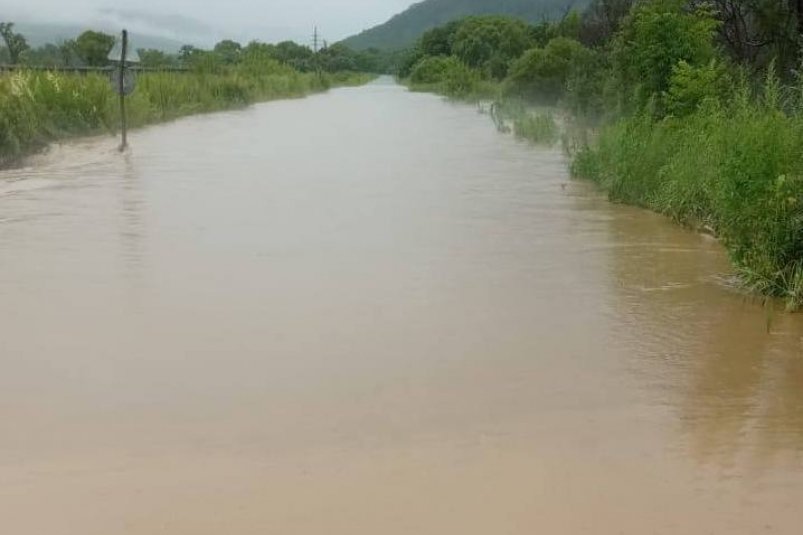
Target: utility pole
[315,49]
[121,90]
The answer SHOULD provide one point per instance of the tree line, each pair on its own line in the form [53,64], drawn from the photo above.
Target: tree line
[91,49]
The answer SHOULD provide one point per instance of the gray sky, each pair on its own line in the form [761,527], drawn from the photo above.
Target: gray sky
[266,20]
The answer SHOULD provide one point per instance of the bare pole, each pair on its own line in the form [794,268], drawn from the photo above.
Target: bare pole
[315,48]
[121,91]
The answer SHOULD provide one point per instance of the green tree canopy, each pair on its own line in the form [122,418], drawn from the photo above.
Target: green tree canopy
[155,59]
[655,38]
[94,47]
[490,43]
[544,72]
[229,51]
[16,44]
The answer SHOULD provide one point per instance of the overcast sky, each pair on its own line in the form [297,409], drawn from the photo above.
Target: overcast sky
[267,20]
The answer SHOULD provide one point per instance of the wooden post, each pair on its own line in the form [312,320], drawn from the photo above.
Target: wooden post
[121,90]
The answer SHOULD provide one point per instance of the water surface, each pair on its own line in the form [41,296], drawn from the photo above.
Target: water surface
[369,312]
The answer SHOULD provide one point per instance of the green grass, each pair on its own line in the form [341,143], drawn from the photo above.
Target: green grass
[539,128]
[735,168]
[37,108]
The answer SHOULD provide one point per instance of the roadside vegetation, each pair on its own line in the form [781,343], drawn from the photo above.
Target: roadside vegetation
[41,106]
[696,111]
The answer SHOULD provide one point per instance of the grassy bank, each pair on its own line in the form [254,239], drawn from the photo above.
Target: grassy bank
[689,120]
[37,108]
[734,168]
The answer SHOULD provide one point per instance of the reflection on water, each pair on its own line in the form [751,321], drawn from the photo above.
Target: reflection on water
[365,312]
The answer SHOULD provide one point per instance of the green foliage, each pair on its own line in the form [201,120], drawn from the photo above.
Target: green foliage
[539,128]
[16,44]
[94,47]
[690,87]
[490,43]
[228,51]
[446,75]
[735,167]
[654,39]
[544,72]
[432,70]
[155,59]
[39,107]
[438,41]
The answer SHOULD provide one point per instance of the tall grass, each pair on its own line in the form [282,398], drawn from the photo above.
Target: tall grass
[734,167]
[39,107]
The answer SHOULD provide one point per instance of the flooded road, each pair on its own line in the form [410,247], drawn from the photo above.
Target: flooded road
[368,312]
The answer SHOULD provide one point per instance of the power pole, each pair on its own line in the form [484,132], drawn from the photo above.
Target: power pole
[316,50]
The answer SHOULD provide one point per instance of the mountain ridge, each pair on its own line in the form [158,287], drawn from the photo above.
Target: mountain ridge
[403,29]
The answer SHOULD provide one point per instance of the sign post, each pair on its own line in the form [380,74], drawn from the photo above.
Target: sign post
[121,91]
[122,80]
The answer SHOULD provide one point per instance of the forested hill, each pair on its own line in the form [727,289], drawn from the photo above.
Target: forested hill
[405,28]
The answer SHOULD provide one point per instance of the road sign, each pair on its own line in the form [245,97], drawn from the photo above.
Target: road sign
[129,81]
[116,54]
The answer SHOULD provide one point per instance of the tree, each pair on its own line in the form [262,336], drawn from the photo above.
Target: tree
[155,59]
[438,41]
[47,55]
[490,43]
[544,72]
[15,42]
[186,52]
[601,20]
[757,32]
[655,38]
[94,47]
[69,52]
[229,51]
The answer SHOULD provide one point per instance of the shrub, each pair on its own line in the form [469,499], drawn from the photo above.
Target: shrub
[543,72]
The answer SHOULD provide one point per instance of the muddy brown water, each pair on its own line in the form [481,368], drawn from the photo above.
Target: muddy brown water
[369,312]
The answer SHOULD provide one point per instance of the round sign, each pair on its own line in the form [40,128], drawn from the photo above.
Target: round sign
[129,82]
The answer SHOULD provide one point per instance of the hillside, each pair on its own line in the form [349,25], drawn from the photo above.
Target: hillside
[403,29]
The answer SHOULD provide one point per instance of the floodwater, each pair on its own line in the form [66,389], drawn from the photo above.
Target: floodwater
[368,312]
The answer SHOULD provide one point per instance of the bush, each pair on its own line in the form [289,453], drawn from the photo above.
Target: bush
[735,167]
[690,87]
[654,39]
[491,43]
[431,70]
[543,73]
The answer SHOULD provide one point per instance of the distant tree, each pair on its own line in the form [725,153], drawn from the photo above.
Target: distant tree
[490,43]
[69,52]
[293,53]
[94,47]
[186,52]
[15,42]
[229,51]
[438,41]
[47,55]
[544,72]
[155,59]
